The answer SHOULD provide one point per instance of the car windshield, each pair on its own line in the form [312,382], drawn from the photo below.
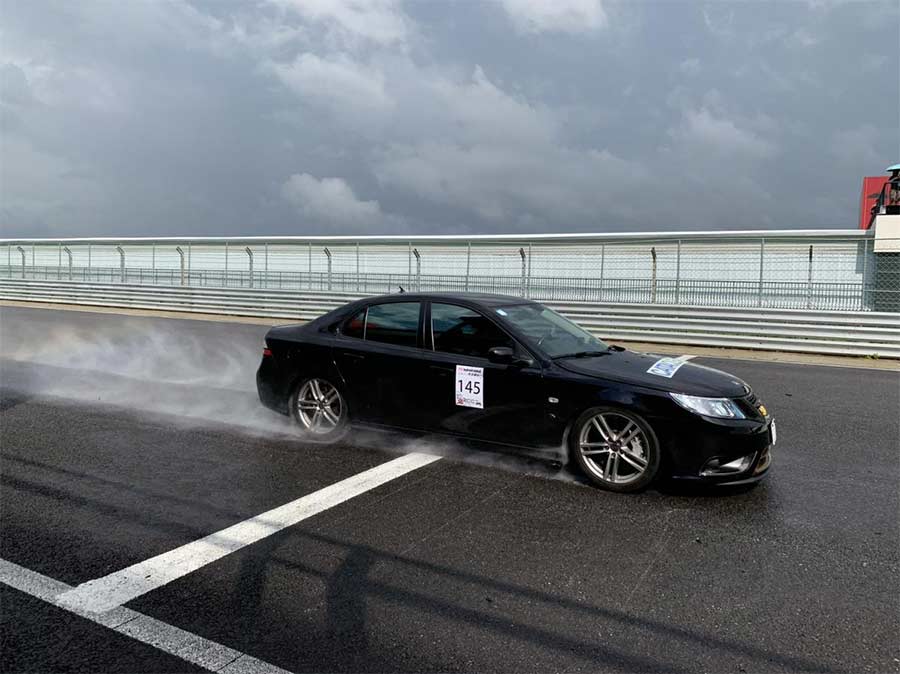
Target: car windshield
[555,335]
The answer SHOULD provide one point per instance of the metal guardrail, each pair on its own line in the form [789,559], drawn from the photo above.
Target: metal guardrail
[843,296]
[827,332]
[792,269]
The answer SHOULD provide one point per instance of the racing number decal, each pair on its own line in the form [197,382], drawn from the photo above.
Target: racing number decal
[469,386]
[666,367]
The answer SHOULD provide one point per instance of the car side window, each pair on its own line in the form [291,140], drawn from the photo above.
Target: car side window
[465,331]
[355,327]
[393,323]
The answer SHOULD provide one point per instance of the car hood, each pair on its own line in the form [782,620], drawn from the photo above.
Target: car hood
[632,367]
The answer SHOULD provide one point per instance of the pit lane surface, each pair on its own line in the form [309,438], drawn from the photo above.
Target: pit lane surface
[124,438]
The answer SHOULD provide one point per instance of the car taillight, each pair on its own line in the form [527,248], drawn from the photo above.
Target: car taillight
[267,352]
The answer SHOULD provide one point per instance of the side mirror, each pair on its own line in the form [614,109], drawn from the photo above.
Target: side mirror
[505,355]
[501,354]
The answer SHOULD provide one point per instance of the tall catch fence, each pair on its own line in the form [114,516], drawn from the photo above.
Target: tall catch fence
[812,270]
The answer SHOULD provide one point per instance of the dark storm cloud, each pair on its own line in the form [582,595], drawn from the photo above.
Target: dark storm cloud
[307,116]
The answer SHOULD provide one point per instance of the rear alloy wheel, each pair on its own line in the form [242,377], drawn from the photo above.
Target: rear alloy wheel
[616,449]
[320,410]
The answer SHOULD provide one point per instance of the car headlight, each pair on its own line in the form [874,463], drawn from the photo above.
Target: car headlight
[721,408]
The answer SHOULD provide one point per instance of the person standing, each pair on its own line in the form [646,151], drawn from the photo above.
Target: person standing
[894,182]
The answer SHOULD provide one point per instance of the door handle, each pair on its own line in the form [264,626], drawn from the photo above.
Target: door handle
[354,356]
[441,369]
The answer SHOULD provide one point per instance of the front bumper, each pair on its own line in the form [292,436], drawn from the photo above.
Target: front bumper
[701,450]
[759,465]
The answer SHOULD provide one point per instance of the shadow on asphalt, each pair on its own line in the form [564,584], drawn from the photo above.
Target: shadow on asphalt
[349,586]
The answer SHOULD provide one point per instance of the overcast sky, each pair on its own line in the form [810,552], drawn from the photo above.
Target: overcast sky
[349,116]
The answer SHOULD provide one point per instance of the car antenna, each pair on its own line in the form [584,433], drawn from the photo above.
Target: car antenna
[401,289]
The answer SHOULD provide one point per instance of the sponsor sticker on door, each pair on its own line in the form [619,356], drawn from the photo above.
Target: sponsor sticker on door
[469,387]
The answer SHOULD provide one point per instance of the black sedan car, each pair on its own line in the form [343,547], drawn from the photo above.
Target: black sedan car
[508,371]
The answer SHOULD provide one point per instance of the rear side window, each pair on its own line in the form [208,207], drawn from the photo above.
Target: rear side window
[464,331]
[394,323]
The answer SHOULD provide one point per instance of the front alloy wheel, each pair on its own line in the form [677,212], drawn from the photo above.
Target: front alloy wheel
[616,449]
[320,410]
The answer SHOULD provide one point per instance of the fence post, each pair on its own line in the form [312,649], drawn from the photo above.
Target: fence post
[357,266]
[328,255]
[468,262]
[528,275]
[250,255]
[522,285]
[678,273]
[121,264]
[409,264]
[602,265]
[69,254]
[418,269]
[153,258]
[22,251]
[809,279]
[189,264]
[653,276]
[862,299]
[266,278]
[225,280]
[762,257]
[181,259]
[59,262]
[309,265]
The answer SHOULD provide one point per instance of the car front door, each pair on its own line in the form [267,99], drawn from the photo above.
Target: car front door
[465,394]
[380,358]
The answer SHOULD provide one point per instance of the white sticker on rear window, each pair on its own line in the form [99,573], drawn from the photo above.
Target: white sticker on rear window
[502,313]
[469,387]
[666,367]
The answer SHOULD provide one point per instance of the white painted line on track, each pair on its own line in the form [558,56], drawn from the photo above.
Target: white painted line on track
[163,636]
[108,592]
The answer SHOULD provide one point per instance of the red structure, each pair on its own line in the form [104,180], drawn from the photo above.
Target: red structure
[871,189]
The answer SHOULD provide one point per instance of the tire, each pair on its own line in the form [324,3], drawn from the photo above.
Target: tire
[634,462]
[320,410]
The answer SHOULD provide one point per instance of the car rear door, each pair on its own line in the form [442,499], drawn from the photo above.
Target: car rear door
[379,355]
[459,377]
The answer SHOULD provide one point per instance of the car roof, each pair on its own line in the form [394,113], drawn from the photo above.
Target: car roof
[484,299]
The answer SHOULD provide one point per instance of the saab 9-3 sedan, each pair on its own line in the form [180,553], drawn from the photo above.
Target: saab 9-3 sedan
[510,372]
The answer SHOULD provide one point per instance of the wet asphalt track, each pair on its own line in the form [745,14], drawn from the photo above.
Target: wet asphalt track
[113,451]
